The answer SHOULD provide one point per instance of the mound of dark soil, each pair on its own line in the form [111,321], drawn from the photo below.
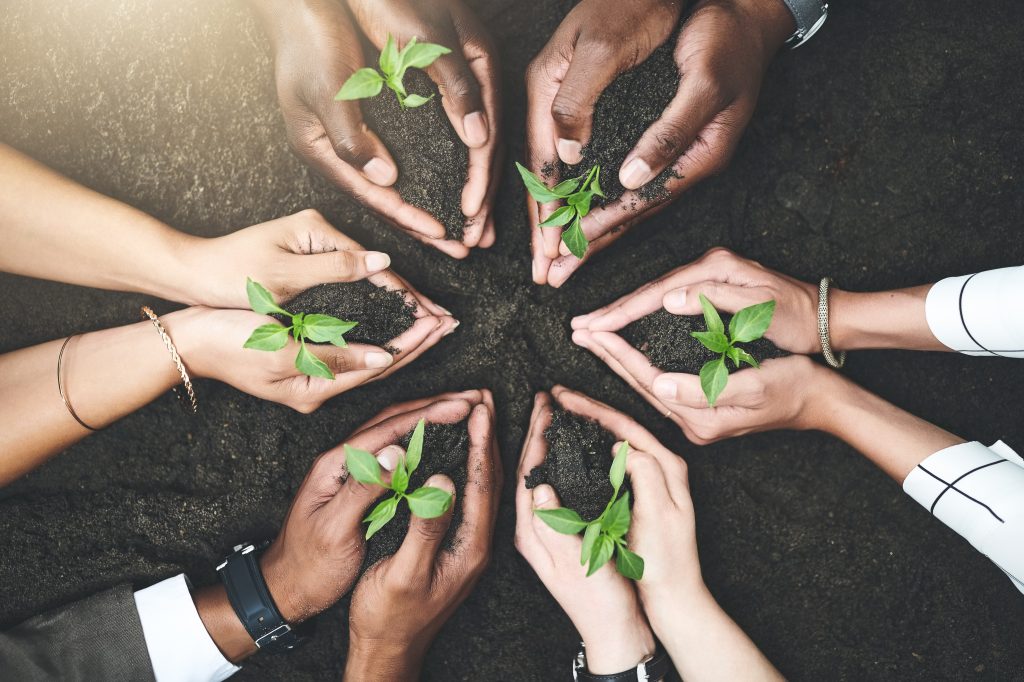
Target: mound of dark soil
[445,450]
[579,457]
[623,112]
[382,314]
[665,339]
[433,162]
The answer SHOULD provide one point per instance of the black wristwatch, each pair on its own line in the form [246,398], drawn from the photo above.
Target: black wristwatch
[250,598]
[651,669]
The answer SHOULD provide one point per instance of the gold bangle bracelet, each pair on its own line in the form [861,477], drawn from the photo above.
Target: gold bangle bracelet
[147,312]
[60,384]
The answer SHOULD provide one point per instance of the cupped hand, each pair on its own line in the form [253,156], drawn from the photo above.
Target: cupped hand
[604,607]
[722,54]
[211,343]
[730,282]
[468,80]
[402,601]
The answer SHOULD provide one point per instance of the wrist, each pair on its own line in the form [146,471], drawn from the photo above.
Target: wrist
[280,581]
[381,660]
[883,319]
[221,622]
[775,21]
[186,328]
[612,652]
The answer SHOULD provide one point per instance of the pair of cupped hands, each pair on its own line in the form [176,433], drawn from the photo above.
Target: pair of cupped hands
[722,53]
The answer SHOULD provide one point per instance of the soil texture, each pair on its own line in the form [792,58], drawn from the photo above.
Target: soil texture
[665,339]
[445,449]
[579,457]
[382,314]
[433,162]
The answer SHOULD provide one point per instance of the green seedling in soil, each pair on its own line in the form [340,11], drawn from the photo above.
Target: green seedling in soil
[426,502]
[577,194]
[312,328]
[746,325]
[368,82]
[605,535]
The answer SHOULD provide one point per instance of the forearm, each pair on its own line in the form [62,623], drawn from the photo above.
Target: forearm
[384,661]
[53,228]
[883,319]
[105,375]
[702,640]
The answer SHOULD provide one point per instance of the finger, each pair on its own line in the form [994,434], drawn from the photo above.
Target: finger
[490,234]
[349,503]
[535,449]
[392,429]
[482,492]
[617,423]
[415,557]
[337,266]
[565,266]
[557,544]
[543,76]
[352,358]
[412,347]
[355,144]
[630,308]
[460,94]
[392,281]
[484,125]
[473,397]
[648,481]
[591,70]
[477,228]
[725,297]
[685,389]
[668,138]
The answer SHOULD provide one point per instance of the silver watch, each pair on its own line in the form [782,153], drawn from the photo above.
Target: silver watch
[810,15]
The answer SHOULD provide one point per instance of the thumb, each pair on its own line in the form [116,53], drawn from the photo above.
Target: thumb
[545,497]
[355,144]
[460,97]
[337,266]
[725,297]
[572,109]
[424,537]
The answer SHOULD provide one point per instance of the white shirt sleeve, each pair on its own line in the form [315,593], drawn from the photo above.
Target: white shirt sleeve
[180,648]
[980,314]
[977,491]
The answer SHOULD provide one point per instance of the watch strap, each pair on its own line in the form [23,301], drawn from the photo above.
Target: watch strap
[810,15]
[251,600]
[651,669]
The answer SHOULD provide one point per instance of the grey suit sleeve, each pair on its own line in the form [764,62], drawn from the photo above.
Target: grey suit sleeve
[98,638]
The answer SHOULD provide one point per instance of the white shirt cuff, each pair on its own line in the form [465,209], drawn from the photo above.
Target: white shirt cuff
[981,314]
[977,491]
[180,648]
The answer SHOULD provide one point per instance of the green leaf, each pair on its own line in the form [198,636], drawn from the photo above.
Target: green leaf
[268,337]
[581,202]
[713,376]
[595,186]
[574,238]
[429,502]
[589,538]
[629,564]
[752,322]
[562,519]
[560,217]
[365,82]
[746,357]
[734,354]
[617,473]
[535,186]
[711,317]
[400,476]
[567,187]
[412,101]
[600,554]
[389,62]
[397,87]
[421,55]
[260,300]
[381,514]
[362,466]
[311,365]
[325,329]
[616,521]
[415,450]
[716,342]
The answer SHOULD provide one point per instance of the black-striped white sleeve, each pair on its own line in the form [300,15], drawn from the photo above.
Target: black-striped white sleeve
[980,314]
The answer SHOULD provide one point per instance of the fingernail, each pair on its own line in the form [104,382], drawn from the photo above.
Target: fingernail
[635,174]
[376,359]
[377,261]
[665,388]
[578,322]
[388,457]
[442,482]
[445,310]
[455,326]
[475,125]
[380,172]
[675,299]
[563,249]
[569,151]
[579,337]
[542,494]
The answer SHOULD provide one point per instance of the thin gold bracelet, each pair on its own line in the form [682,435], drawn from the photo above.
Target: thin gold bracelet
[147,312]
[60,384]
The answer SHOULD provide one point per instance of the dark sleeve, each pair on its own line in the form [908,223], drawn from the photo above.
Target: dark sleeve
[98,638]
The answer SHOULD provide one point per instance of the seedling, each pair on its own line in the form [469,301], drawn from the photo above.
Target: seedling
[605,535]
[746,325]
[314,328]
[368,82]
[577,194]
[426,502]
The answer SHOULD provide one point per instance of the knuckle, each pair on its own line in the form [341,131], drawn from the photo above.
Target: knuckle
[720,253]
[349,145]
[431,531]
[566,109]
[311,214]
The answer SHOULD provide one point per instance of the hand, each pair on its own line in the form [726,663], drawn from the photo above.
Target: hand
[730,282]
[468,80]
[402,601]
[722,54]
[604,608]
[211,342]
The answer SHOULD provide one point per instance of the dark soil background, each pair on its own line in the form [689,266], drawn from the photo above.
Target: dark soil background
[887,152]
[665,339]
[382,314]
